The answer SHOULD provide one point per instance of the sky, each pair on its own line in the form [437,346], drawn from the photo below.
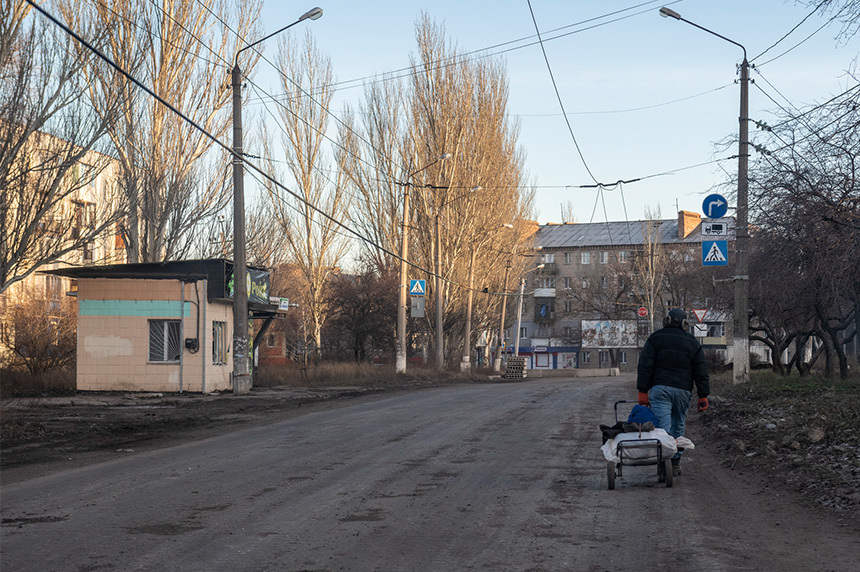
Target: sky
[644,95]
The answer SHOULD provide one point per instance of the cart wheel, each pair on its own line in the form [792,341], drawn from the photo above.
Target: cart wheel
[610,474]
[667,468]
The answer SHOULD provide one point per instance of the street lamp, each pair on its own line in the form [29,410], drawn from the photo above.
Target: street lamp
[400,354]
[241,378]
[741,359]
[520,309]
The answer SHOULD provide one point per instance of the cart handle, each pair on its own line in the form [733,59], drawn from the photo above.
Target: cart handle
[615,407]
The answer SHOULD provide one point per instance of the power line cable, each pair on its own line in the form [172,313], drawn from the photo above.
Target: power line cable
[632,109]
[214,139]
[411,71]
[787,34]
[800,43]
[558,95]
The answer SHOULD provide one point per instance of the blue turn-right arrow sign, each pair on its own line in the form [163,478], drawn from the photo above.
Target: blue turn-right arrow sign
[715,206]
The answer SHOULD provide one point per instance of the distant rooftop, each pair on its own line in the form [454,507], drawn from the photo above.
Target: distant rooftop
[632,233]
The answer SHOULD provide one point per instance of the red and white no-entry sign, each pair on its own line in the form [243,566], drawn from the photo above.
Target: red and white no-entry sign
[643,311]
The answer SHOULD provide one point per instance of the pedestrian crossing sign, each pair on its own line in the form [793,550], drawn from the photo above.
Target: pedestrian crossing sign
[715,253]
[416,288]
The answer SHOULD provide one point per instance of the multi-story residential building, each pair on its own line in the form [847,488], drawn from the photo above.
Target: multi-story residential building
[604,287]
[80,221]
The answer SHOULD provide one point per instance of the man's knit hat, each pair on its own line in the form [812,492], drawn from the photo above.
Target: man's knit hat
[677,315]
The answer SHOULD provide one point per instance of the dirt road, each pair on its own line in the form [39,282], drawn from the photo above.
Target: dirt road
[482,476]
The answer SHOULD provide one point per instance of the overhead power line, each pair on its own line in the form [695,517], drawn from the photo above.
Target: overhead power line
[558,95]
[191,122]
[486,53]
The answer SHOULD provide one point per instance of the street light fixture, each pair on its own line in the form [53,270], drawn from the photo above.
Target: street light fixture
[741,358]
[241,377]
[400,352]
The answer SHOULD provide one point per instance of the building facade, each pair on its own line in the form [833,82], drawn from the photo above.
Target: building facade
[604,287]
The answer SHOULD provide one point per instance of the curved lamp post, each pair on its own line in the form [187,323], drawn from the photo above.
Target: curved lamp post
[741,358]
[241,377]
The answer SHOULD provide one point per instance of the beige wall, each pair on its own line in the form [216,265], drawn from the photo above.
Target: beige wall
[113,336]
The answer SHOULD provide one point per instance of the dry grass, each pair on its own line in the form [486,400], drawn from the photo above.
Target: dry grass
[21,383]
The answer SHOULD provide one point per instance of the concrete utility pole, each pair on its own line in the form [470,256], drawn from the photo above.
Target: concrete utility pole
[520,308]
[466,361]
[241,369]
[741,358]
[440,314]
[741,361]
[400,350]
[497,363]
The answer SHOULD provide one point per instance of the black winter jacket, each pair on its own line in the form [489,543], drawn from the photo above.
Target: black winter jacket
[673,357]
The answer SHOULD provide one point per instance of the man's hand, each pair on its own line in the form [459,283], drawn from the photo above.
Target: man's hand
[703,404]
[643,399]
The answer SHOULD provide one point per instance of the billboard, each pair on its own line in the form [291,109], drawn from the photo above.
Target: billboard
[257,284]
[609,333]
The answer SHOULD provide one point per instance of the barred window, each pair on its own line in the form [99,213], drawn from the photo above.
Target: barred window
[219,343]
[164,343]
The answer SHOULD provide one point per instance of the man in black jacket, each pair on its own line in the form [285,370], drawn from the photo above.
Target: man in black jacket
[671,362]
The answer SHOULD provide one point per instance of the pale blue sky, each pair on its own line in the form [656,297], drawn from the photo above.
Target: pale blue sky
[640,61]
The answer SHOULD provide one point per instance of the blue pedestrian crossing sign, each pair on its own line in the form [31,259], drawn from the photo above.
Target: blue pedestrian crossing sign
[715,253]
[715,206]
[416,288]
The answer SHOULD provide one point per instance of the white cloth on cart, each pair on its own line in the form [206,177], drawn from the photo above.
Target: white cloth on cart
[667,442]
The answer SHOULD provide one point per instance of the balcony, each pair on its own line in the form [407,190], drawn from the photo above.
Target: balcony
[544,292]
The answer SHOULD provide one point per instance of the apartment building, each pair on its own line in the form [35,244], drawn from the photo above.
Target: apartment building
[589,307]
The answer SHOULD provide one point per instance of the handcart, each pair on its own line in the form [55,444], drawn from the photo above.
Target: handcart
[643,451]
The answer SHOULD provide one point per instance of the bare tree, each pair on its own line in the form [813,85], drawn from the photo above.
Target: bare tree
[804,198]
[650,265]
[314,240]
[49,142]
[172,177]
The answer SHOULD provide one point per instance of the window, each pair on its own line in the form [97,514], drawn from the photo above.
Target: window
[586,357]
[604,257]
[568,332]
[547,258]
[604,357]
[164,341]
[604,282]
[524,333]
[567,283]
[567,258]
[585,282]
[622,256]
[623,359]
[568,307]
[717,330]
[546,282]
[89,247]
[219,343]
[586,258]
[270,340]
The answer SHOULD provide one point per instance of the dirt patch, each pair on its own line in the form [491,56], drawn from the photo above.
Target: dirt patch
[798,437]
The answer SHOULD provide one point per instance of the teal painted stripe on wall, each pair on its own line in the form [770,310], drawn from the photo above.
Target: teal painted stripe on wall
[139,308]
